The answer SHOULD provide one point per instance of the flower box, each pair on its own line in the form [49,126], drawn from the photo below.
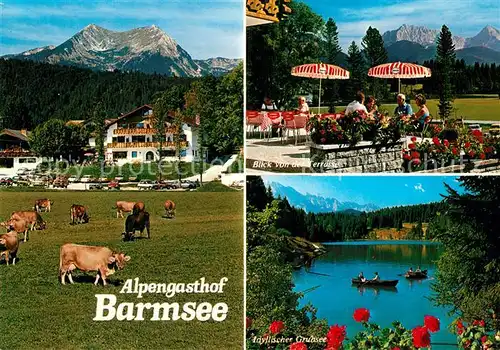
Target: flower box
[364,157]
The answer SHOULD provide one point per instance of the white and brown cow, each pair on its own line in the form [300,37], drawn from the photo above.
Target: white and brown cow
[124,207]
[79,214]
[169,208]
[10,245]
[30,220]
[44,204]
[89,258]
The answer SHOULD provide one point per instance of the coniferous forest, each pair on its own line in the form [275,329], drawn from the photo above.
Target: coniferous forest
[348,225]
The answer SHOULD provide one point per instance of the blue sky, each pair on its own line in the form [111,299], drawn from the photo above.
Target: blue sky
[465,18]
[204,28]
[383,191]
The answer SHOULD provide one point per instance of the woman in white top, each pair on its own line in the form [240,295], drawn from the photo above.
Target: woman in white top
[357,104]
[268,105]
[303,107]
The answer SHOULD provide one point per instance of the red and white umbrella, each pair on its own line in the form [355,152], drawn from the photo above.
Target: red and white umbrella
[399,70]
[320,71]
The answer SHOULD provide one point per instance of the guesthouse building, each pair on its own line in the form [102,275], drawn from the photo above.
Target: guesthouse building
[15,152]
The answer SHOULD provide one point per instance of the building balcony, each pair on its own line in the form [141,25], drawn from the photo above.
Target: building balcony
[145,145]
[140,131]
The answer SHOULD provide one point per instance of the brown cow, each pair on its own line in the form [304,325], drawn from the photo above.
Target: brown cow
[138,207]
[17,226]
[32,219]
[11,244]
[43,204]
[79,214]
[169,208]
[89,258]
[122,207]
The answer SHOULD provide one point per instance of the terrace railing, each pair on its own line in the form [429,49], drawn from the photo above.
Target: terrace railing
[140,131]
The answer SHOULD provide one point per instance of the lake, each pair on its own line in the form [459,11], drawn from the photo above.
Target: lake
[336,298]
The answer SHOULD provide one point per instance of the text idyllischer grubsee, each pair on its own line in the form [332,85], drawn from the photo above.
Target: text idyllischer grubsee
[108,308]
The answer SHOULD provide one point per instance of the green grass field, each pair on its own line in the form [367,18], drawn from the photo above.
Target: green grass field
[204,240]
[469,108]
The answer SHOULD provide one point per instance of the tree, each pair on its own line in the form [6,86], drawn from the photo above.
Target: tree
[257,195]
[332,50]
[356,64]
[50,139]
[376,54]
[445,58]
[468,271]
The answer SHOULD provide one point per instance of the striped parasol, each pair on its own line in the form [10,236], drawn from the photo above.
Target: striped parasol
[399,70]
[320,71]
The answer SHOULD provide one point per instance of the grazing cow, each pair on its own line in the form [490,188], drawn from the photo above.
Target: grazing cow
[32,219]
[11,244]
[79,214]
[124,207]
[17,226]
[43,204]
[138,207]
[136,222]
[89,258]
[169,208]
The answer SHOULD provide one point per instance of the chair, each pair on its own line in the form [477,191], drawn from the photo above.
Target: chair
[296,122]
[275,119]
[254,119]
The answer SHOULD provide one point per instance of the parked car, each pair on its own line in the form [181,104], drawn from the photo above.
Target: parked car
[37,181]
[188,184]
[495,130]
[473,127]
[73,178]
[61,182]
[86,178]
[6,181]
[96,186]
[146,185]
[114,185]
[22,171]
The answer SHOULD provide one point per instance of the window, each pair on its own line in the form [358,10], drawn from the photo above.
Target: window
[134,154]
[27,160]
[138,138]
[119,155]
[31,160]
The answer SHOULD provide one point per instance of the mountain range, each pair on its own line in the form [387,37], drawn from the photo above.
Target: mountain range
[146,49]
[317,204]
[417,44]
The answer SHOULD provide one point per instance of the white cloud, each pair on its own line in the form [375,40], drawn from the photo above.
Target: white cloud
[406,185]
[418,187]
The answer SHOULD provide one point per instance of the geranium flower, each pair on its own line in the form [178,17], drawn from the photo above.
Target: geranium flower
[472,154]
[482,156]
[415,155]
[421,337]
[249,322]
[412,146]
[407,157]
[335,337]
[413,139]
[484,339]
[417,161]
[323,140]
[432,323]
[455,151]
[361,315]
[446,143]
[276,327]
[298,346]
[480,323]
[460,327]
[467,145]
[436,141]
[322,132]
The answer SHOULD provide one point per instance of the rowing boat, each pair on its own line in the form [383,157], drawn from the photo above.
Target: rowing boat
[416,275]
[381,283]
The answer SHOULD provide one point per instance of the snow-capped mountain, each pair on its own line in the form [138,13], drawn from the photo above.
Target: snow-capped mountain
[146,49]
[317,204]
[489,37]
[218,65]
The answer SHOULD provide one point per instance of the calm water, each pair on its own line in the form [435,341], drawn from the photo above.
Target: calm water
[336,299]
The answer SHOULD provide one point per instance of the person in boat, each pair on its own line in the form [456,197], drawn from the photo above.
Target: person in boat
[361,277]
[410,270]
[377,277]
[418,269]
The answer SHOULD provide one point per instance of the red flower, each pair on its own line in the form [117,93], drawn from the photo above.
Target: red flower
[276,327]
[421,337]
[323,140]
[335,337]
[361,315]
[472,154]
[484,339]
[298,346]
[412,146]
[479,323]
[467,145]
[460,327]
[455,151]
[417,161]
[477,133]
[488,149]
[467,344]
[249,322]
[415,155]
[413,139]
[436,141]
[446,143]
[406,157]
[482,156]
[322,132]
[396,348]
[432,323]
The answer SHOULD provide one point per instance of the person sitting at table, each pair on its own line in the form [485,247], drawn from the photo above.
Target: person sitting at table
[423,113]
[268,105]
[403,108]
[357,104]
[371,105]
[303,107]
